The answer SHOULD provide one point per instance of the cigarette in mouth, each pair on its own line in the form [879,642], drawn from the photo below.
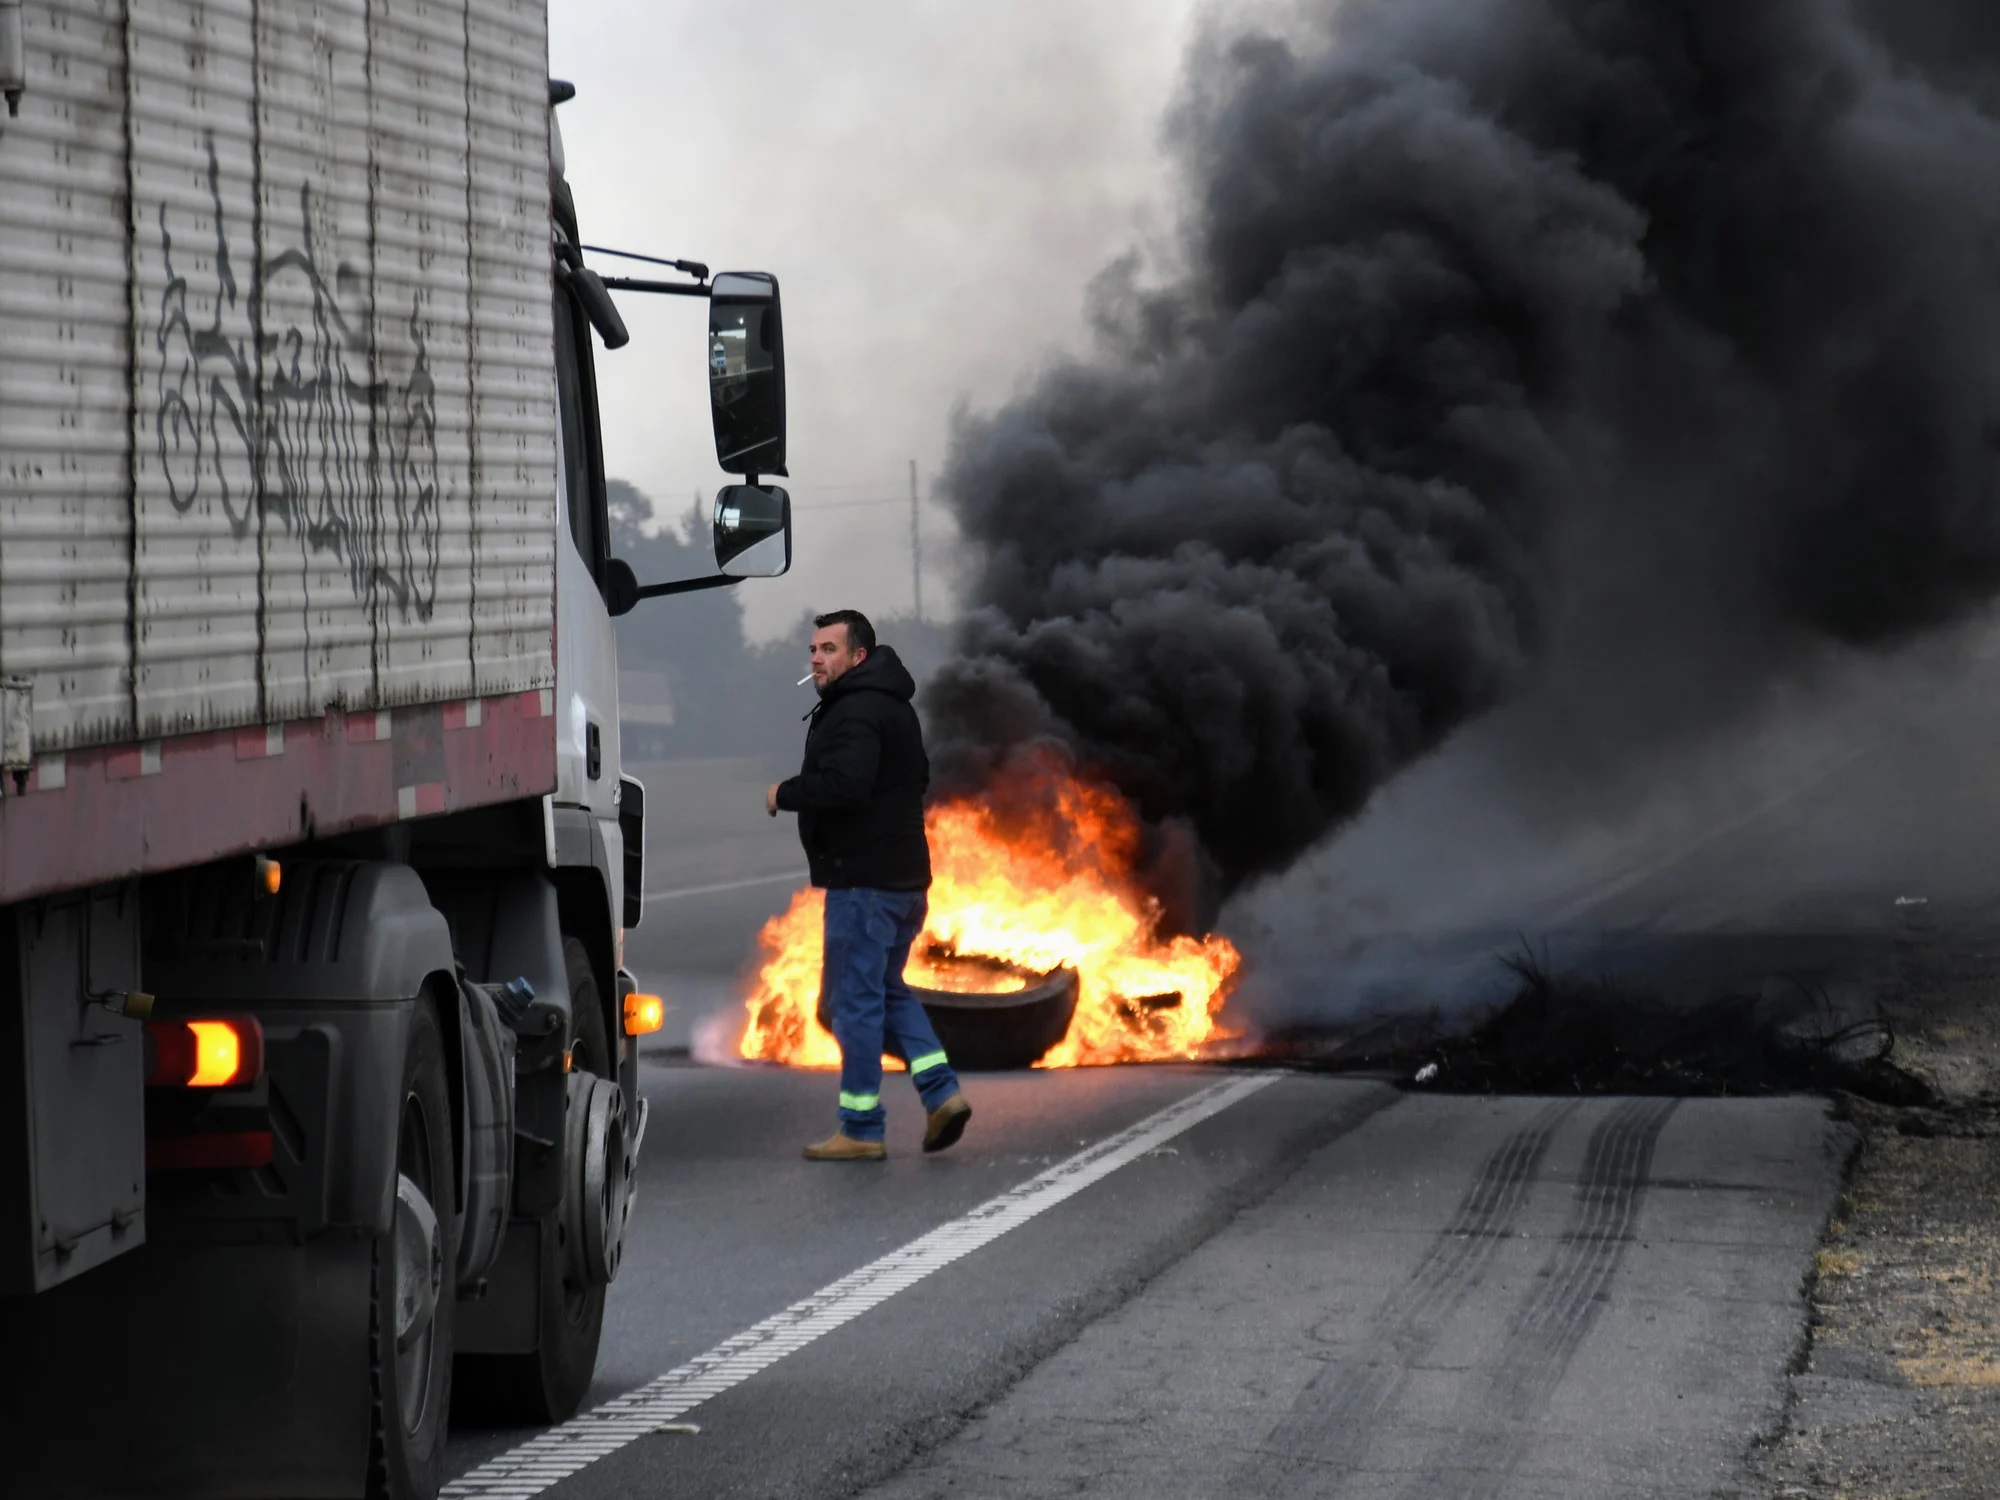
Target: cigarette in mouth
[803,680]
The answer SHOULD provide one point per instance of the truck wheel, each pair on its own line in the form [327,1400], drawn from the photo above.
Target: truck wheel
[412,1303]
[573,1312]
[549,1384]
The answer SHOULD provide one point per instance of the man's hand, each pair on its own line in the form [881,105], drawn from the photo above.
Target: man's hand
[771,799]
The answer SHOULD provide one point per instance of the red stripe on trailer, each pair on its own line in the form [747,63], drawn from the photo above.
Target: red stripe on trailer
[92,816]
[255,744]
[369,725]
[130,761]
[227,1150]
[465,715]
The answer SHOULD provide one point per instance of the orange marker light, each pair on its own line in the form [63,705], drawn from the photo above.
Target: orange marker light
[218,1054]
[644,1014]
[206,1054]
[270,875]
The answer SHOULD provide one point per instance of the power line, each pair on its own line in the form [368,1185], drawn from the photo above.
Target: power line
[847,484]
[851,504]
[877,502]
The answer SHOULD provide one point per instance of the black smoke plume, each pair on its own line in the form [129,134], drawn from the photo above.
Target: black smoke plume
[1658,339]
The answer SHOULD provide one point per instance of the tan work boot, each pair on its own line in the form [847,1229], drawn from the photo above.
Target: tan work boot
[945,1124]
[840,1146]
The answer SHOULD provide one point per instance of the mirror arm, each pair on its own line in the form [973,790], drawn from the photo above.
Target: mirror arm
[668,288]
[693,268]
[688,586]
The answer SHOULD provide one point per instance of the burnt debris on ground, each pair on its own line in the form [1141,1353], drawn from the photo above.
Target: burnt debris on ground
[1575,1033]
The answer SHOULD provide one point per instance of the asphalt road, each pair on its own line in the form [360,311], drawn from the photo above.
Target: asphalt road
[1297,1285]
[1324,1286]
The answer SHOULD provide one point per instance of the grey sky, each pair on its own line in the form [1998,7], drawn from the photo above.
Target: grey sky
[933,182]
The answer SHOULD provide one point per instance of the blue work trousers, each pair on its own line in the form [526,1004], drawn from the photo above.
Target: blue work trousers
[868,937]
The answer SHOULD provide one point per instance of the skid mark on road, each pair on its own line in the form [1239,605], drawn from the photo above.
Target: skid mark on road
[562,1451]
[1334,1416]
[1548,1330]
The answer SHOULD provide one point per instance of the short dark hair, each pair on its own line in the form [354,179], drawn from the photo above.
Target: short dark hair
[860,634]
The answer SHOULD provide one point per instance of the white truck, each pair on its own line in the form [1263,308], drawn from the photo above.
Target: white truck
[318,1059]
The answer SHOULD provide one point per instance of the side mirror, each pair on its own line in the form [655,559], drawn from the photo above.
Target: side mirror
[753,539]
[753,530]
[621,587]
[746,373]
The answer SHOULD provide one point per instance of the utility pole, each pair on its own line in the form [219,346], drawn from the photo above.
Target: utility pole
[916,546]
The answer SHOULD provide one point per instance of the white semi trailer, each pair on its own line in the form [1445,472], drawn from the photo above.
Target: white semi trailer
[317,1056]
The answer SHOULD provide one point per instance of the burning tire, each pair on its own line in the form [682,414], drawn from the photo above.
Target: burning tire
[986,1030]
[1005,1029]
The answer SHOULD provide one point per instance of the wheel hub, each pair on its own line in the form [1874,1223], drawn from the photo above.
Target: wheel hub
[419,1264]
[599,1201]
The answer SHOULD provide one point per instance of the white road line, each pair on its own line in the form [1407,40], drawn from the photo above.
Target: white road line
[563,1451]
[675,893]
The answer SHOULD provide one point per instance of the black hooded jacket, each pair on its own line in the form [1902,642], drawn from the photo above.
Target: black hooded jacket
[860,793]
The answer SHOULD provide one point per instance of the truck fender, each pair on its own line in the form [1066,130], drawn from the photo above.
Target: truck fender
[590,912]
[527,937]
[353,931]
[350,945]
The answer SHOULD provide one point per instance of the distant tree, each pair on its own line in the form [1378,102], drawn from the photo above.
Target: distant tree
[694,640]
[729,697]
[922,645]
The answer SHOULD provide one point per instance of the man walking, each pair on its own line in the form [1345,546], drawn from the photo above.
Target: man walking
[860,801]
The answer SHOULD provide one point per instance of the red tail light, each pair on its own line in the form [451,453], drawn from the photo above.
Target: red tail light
[208,1053]
[215,1151]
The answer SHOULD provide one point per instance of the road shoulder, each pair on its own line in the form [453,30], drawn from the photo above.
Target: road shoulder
[1897,1393]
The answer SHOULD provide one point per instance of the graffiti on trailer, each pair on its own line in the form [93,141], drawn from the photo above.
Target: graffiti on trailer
[276,422]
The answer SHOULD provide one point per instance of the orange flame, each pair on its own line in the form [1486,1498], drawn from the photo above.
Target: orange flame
[1048,882]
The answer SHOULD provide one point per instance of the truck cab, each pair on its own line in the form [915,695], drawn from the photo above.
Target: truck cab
[318,1051]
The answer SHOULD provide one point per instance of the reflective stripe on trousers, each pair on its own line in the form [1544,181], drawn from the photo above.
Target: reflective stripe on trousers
[867,942]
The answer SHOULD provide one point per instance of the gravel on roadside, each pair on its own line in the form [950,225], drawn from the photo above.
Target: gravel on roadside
[1896,1393]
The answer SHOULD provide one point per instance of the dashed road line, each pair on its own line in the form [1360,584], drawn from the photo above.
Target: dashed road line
[545,1461]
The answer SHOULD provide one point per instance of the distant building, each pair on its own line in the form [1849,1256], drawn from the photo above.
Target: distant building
[645,711]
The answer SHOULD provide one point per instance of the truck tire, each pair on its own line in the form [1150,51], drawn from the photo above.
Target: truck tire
[549,1384]
[412,1305]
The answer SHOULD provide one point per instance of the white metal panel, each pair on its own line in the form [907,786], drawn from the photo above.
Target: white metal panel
[587,653]
[319,634]
[513,600]
[196,397]
[277,368]
[65,354]
[423,260]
